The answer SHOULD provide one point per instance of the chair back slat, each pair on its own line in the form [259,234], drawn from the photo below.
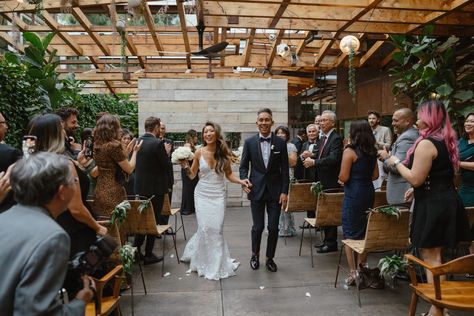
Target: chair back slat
[329,209]
[300,198]
[166,209]
[139,223]
[386,232]
[462,265]
[380,198]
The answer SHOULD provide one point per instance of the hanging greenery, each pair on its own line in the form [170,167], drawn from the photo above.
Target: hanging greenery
[127,257]
[38,5]
[120,212]
[316,188]
[351,75]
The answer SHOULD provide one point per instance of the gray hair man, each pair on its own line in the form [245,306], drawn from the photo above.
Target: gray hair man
[33,262]
[402,122]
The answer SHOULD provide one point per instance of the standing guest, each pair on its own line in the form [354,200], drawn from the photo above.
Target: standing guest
[87,160]
[169,150]
[327,161]
[466,156]
[8,156]
[266,158]
[317,122]
[110,157]
[298,141]
[126,140]
[402,122]
[383,140]
[287,222]
[439,218]
[358,169]
[151,180]
[309,149]
[187,194]
[70,124]
[33,264]
[207,250]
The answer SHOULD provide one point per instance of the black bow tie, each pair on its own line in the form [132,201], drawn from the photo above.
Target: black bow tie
[265,139]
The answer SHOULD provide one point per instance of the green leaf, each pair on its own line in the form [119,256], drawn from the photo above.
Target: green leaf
[418,49]
[12,58]
[48,83]
[466,110]
[36,73]
[47,39]
[444,89]
[428,29]
[34,39]
[398,57]
[452,40]
[463,95]
[34,54]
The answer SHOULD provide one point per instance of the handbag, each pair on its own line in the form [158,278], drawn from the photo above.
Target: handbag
[121,176]
[371,278]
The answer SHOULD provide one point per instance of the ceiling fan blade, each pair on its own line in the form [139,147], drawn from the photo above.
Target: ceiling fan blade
[212,51]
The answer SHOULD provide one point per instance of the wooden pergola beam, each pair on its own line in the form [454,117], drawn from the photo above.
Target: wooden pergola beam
[273,49]
[20,48]
[87,25]
[151,27]
[223,39]
[53,24]
[279,13]
[248,48]
[364,58]
[184,32]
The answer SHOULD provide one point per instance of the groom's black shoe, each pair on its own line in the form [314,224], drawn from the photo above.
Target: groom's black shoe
[271,265]
[254,263]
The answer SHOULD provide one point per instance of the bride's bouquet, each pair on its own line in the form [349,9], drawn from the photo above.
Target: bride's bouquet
[181,153]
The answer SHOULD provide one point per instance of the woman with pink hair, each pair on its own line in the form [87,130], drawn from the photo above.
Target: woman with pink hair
[439,218]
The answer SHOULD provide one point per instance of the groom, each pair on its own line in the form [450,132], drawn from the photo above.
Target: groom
[268,159]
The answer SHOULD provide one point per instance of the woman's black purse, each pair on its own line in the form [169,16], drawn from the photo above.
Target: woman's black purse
[121,176]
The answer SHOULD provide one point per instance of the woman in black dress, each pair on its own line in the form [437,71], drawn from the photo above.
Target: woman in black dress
[187,195]
[439,218]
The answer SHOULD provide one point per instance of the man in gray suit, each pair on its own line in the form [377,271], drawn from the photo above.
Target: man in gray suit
[35,249]
[402,122]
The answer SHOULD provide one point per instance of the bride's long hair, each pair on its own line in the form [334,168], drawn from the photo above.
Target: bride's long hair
[222,155]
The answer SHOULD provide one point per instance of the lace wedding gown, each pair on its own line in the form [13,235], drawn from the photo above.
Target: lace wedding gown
[207,250]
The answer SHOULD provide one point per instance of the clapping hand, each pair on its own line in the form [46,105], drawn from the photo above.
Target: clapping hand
[4,184]
[137,146]
[383,154]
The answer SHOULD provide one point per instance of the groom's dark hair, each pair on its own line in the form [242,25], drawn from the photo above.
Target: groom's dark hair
[151,122]
[265,110]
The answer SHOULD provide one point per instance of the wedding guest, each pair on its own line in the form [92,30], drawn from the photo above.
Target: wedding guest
[70,124]
[286,226]
[169,147]
[299,140]
[126,139]
[439,218]
[383,139]
[187,195]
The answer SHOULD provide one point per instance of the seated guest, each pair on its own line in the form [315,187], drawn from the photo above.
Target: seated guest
[33,262]
[358,169]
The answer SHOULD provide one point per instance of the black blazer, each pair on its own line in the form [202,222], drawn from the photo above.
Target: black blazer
[310,173]
[8,156]
[152,168]
[299,168]
[329,164]
[275,177]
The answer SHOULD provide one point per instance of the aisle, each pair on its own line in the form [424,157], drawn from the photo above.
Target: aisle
[295,289]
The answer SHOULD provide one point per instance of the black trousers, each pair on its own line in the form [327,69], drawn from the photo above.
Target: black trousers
[330,236]
[258,217]
[157,203]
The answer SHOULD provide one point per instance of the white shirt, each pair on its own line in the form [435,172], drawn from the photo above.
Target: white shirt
[265,148]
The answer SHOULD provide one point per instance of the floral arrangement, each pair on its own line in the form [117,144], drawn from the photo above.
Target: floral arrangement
[181,153]
[120,212]
[127,256]
[237,154]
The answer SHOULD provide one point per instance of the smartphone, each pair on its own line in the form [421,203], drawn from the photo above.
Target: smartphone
[29,145]
[89,145]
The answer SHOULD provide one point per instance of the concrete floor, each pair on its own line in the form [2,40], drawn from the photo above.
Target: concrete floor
[295,289]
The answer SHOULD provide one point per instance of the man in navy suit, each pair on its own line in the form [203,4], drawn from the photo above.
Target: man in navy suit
[269,175]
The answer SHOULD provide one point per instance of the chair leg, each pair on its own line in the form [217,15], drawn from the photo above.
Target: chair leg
[163,254]
[182,225]
[141,274]
[301,241]
[338,266]
[413,303]
[175,248]
[311,247]
[132,300]
[357,277]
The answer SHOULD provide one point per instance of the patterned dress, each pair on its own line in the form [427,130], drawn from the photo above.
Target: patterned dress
[108,192]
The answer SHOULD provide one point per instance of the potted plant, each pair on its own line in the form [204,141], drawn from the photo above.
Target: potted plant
[389,267]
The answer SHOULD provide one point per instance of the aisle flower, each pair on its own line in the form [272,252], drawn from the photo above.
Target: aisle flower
[181,153]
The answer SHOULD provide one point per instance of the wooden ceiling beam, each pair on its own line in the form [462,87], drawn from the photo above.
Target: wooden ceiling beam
[223,39]
[65,37]
[323,52]
[279,13]
[184,32]
[372,50]
[273,49]
[248,48]
[7,38]
[14,5]
[87,25]
[151,27]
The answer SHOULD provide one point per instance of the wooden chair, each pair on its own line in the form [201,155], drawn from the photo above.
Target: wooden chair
[384,233]
[105,305]
[328,213]
[380,198]
[144,223]
[167,210]
[444,294]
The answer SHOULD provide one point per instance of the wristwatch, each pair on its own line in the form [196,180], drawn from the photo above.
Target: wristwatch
[396,162]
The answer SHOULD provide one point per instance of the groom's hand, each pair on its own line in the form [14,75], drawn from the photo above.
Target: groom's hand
[246,185]
[283,199]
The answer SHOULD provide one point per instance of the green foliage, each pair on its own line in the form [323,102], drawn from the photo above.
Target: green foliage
[233,139]
[127,257]
[316,188]
[144,204]
[391,265]
[389,210]
[120,212]
[351,76]
[426,68]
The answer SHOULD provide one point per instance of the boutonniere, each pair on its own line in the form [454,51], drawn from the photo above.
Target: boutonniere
[272,147]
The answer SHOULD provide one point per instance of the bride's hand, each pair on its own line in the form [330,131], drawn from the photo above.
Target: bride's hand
[246,185]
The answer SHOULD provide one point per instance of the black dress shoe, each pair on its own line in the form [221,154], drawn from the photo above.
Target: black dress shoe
[319,245]
[151,259]
[254,263]
[169,231]
[271,265]
[326,249]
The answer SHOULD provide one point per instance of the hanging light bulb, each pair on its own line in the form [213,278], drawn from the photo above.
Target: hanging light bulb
[348,43]
[121,26]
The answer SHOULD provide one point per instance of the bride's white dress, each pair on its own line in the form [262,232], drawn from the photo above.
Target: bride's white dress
[207,250]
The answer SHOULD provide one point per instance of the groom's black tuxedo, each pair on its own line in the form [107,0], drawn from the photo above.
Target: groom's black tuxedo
[267,185]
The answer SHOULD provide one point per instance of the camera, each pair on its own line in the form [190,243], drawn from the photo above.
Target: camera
[88,261]
[89,145]
[28,145]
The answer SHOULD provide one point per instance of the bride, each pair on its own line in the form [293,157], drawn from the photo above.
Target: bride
[207,250]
